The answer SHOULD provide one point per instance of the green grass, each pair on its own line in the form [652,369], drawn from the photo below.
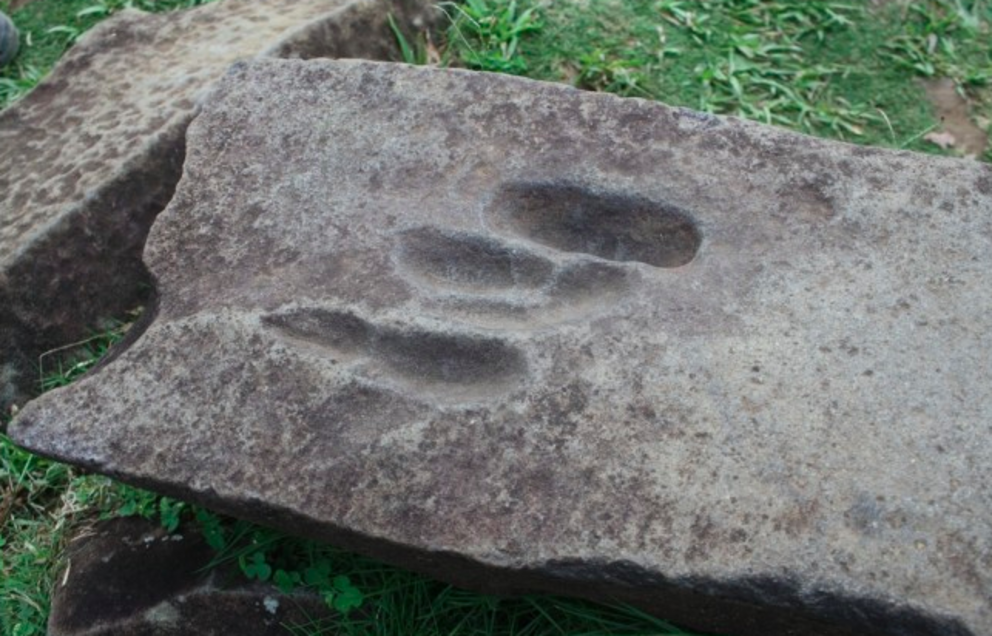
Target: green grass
[48,28]
[372,598]
[840,69]
[42,502]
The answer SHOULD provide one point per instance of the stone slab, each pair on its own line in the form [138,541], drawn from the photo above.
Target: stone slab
[523,337]
[94,153]
[129,577]
[9,40]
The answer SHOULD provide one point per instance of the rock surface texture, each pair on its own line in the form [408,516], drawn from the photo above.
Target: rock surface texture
[94,153]
[524,337]
[129,577]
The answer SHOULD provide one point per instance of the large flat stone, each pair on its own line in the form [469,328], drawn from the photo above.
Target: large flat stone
[524,337]
[94,153]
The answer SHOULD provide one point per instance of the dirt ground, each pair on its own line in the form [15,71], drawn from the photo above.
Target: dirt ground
[954,114]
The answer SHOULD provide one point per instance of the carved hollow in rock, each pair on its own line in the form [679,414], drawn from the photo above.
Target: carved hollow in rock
[471,262]
[414,355]
[341,331]
[616,227]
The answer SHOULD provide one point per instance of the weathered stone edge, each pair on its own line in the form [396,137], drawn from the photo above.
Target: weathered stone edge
[120,283]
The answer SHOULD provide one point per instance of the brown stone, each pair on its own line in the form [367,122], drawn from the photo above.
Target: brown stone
[524,337]
[129,577]
[94,153]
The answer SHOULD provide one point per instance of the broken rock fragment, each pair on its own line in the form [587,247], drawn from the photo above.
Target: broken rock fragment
[129,577]
[94,153]
[523,337]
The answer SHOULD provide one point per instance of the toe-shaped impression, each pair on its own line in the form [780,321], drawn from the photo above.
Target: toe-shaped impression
[410,355]
[337,330]
[617,227]
[469,262]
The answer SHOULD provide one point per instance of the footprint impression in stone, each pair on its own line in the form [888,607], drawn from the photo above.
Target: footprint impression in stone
[557,253]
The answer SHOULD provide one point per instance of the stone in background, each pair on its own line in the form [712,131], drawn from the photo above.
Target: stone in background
[523,337]
[94,153]
[129,577]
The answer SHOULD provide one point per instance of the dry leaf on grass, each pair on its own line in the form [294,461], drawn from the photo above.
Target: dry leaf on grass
[433,54]
[943,139]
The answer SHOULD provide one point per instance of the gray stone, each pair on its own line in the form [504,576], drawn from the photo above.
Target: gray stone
[523,337]
[129,577]
[94,153]
[9,40]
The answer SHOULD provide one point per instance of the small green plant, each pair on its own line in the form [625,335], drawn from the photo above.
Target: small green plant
[418,52]
[599,72]
[42,502]
[17,86]
[291,564]
[32,527]
[488,33]
[62,366]
[68,33]
[367,597]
